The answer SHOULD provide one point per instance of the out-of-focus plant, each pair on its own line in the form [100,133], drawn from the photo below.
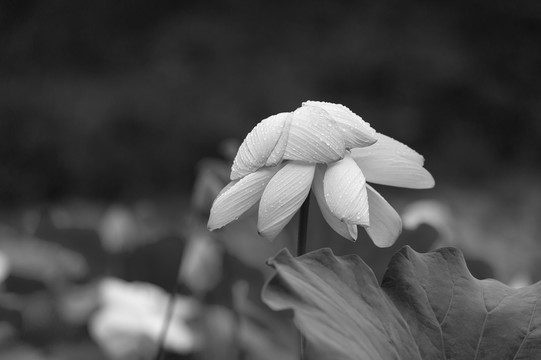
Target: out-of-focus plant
[478,224]
[201,265]
[33,258]
[129,322]
[4,267]
[6,330]
[234,320]
[118,229]
[261,333]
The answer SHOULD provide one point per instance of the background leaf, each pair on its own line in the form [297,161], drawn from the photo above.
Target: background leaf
[428,307]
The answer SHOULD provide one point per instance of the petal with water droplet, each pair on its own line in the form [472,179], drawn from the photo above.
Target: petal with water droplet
[277,153]
[347,231]
[385,223]
[356,131]
[238,197]
[389,162]
[344,187]
[283,196]
[314,137]
[389,146]
[263,146]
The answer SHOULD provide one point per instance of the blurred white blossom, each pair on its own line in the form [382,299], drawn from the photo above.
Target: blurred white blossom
[329,149]
[131,319]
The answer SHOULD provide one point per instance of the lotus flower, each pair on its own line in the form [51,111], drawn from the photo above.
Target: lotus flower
[331,150]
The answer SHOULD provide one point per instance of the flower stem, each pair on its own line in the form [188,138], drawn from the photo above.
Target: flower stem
[303,226]
[168,315]
[301,249]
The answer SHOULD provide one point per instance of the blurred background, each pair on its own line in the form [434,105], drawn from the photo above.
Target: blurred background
[118,121]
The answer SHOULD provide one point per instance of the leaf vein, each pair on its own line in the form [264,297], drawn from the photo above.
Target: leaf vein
[528,332]
[482,331]
[449,305]
[446,312]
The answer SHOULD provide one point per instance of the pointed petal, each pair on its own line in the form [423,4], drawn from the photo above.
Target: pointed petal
[390,162]
[263,146]
[283,196]
[347,231]
[356,131]
[344,188]
[314,137]
[387,145]
[238,197]
[385,223]
[387,142]
[353,232]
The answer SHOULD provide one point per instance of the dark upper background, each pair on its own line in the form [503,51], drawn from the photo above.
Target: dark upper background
[116,100]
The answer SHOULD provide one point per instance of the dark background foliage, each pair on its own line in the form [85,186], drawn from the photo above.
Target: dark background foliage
[119,99]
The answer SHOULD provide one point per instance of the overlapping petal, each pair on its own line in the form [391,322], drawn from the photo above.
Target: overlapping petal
[263,146]
[314,137]
[355,131]
[385,223]
[389,162]
[283,196]
[344,188]
[239,196]
[345,230]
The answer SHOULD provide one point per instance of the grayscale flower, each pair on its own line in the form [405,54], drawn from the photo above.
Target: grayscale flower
[331,150]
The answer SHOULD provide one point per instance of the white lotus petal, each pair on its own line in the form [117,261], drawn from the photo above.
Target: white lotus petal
[388,146]
[344,188]
[347,231]
[264,145]
[283,196]
[356,131]
[314,137]
[390,162]
[277,154]
[385,223]
[238,197]
[353,232]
